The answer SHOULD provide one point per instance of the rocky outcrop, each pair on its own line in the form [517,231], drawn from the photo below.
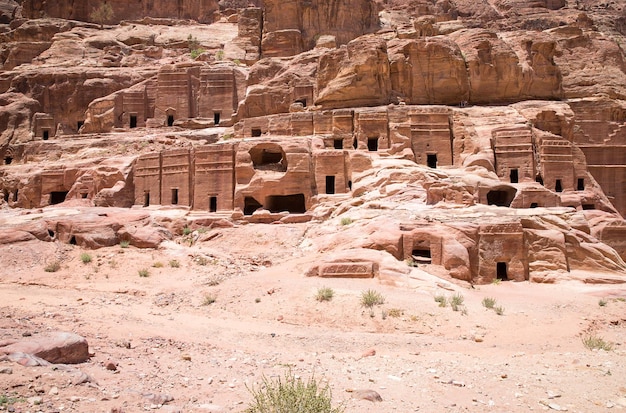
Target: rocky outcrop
[412,64]
[293,26]
[354,75]
[201,10]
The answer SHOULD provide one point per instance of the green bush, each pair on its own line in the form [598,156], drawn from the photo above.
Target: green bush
[499,310]
[124,244]
[370,298]
[85,258]
[346,221]
[143,272]
[174,263]
[602,303]
[324,294]
[290,395]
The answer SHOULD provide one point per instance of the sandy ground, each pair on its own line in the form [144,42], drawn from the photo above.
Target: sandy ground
[167,338]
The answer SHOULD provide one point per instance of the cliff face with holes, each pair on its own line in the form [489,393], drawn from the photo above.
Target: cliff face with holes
[511,115]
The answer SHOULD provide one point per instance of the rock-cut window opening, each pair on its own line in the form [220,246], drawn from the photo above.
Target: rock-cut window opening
[56,197]
[431,160]
[268,157]
[513,176]
[421,255]
[294,204]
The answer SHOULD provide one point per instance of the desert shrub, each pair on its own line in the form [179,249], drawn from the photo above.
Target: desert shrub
[370,298]
[219,55]
[187,231]
[346,221]
[499,310]
[124,244]
[54,266]
[602,303]
[597,343]
[215,280]
[144,272]
[395,312]
[85,257]
[174,263]
[157,264]
[209,299]
[324,294]
[442,300]
[489,302]
[456,302]
[102,14]
[290,394]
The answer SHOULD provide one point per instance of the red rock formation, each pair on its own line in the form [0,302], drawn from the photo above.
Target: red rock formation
[200,10]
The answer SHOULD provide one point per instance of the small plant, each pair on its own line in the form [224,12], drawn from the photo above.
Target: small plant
[346,221]
[489,302]
[209,299]
[499,310]
[395,312]
[237,62]
[187,231]
[597,343]
[411,262]
[292,394]
[54,266]
[215,280]
[85,258]
[442,300]
[456,302]
[227,136]
[383,314]
[174,263]
[4,399]
[124,244]
[602,303]
[496,281]
[324,294]
[102,14]
[202,261]
[219,55]
[157,264]
[144,273]
[194,53]
[370,298]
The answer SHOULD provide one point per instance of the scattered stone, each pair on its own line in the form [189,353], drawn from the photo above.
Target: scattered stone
[158,399]
[186,357]
[369,353]
[82,378]
[35,401]
[367,394]
[53,391]
[6,370]
[553,395]
[111,365]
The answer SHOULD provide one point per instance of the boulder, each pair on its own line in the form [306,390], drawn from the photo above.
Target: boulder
[56,348]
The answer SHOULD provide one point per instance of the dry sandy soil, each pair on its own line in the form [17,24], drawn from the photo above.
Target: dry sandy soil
[166,338]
